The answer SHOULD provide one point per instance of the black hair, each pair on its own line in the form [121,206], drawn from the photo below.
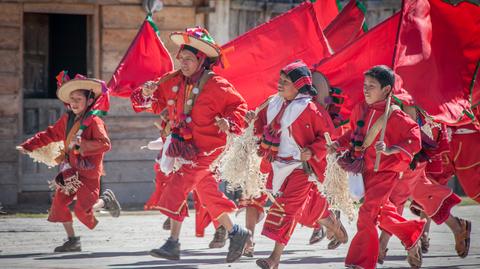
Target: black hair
[383,74]
[88,94]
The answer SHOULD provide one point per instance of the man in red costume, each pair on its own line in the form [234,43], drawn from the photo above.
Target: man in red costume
[435,200]
[401,143]
[198,108]
[77,142]
[292,126]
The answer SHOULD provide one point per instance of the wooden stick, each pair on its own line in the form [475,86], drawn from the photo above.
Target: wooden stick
[382,134]
[327,138]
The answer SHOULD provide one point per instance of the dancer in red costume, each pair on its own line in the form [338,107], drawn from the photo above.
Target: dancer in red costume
[83,141]
[401,143]
[198,107]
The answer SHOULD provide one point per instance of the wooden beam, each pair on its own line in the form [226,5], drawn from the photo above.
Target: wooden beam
[63,8]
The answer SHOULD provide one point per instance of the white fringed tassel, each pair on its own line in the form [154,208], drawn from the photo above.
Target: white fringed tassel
[239,164]
[47,154]
[335,186]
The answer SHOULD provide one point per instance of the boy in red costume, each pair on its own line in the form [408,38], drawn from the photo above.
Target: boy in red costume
[77,141]
[401,143]
[198,108]
[292,127]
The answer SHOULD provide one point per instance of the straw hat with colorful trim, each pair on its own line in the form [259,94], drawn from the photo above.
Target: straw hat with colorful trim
[64,91]
[198,38]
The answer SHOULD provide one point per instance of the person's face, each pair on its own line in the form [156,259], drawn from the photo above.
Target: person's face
[78,102]
[188,62]
[373,91]
[286,88]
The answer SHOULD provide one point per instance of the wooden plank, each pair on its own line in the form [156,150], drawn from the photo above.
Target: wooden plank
[63,8]
[9,105]
[9,128]
[117,39]
[131,127]
[129,150]
[9,61]
[110,60]
[129,171]
[10,38]
[8,173]
[7,148]
[10,14]
[131,17]
[10,84]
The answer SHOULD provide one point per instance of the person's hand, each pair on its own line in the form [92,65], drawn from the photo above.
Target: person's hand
[21,149]
[380,146]
[75,142]
[332,148]
[148,88]
[250,116]
[222,124]
[306,154]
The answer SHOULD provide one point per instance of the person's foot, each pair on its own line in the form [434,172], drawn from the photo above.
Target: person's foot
[382,253]
[71,245]
[462,239]
[111,203]
[266,263]
[335,228]
[238,239]
[317,235]
[425,243]
[414,256]
[167,225]
[170,250]
[249,248]
[219,238]
[333,244]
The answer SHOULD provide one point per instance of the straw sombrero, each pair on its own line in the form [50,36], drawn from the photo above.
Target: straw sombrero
[198,38]
[64,91]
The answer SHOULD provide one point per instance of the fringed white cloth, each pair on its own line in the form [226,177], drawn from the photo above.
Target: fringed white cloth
[335,187]
[239,164]
[47,154]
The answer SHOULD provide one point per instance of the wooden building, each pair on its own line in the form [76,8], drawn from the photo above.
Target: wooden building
[39,38]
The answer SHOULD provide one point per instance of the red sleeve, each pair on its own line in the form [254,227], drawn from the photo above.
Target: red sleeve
[234,108]
[260,121]
[406,138]
[321,123]
[344,140]
[154,104]
[99,143]
[53,133]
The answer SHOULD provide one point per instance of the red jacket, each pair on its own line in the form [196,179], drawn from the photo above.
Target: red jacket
[218,98]
[308,132]
[94,144]
[402,132]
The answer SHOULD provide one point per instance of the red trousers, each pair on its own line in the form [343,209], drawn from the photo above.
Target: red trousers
[378,210]
[283,215]
[161,180]
[315,209]
[464,153]
[87,196]
[198,176]
[435,199]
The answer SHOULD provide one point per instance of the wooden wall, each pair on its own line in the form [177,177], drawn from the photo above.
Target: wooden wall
[10,98]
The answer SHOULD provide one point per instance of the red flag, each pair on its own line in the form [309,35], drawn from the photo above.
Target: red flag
[345,68]
[256,57]
[347,26]
[145,59]
[437,53]
[327,10]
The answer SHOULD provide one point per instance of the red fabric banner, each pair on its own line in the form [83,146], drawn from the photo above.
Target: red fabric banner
[146,59]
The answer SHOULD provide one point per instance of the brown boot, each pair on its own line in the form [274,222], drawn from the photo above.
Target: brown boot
[462,239]
[335,228]
[219,238]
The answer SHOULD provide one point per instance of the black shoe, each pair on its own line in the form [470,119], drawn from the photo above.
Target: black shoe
[111,203]
[71,245]
[318,235]
[219,238]
[170,250]
[237,244]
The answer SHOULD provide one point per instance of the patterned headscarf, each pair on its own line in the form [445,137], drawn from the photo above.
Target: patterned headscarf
[299,73]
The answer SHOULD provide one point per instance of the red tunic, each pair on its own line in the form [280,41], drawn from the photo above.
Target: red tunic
[94,144]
